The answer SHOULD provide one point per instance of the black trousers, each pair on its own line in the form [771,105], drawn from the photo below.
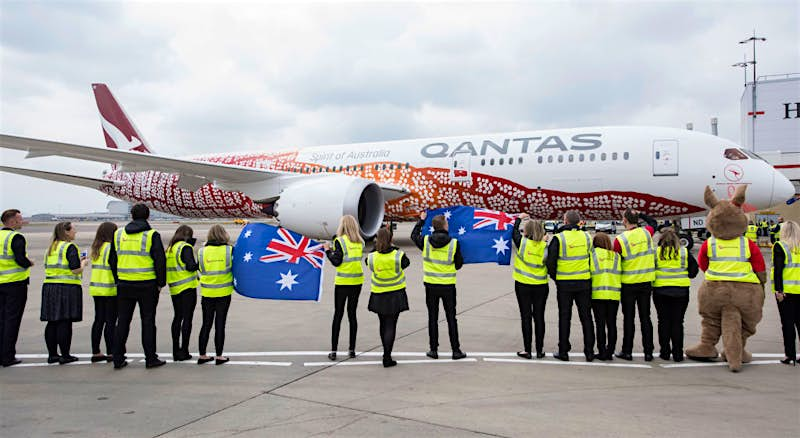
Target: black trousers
[447,294]
[127,299]
[12,303]
[670,311]
[636,295]
[58,334]
[345,294]
[215,312]
[532,299]
[605,320]
[388,330]
[105,319]
[789,309]
[583,300]
[183,304]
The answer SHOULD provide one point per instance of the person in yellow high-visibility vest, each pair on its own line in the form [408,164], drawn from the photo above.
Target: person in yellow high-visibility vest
[606,286]
[216,288]
[140,267]
[14,278]
[752,231]
[62,296]
[182,281]
[675,267]
[103,290]
[348,248]
[530,281]
[786,286]
[568,264]
[387,296]
[441,258]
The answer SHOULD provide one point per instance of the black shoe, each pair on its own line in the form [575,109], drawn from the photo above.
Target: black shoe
[787,361]
[664,355]
[525,354]
[433,354]
[332,355]
[351,353]
[677,357]
[119,366]
[589,357]
[67,359]
[101,358]
[201,360]
[561,356]
[222,361]
[458,354]
[155,363]
[53,359]
[185,355]
[109,358]
[12,362]
[648,357]
[624,356]
[540,354]
[176,356]
[389,363]
[600,356]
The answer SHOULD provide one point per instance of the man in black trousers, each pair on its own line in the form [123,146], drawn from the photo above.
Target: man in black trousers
[141,272]
[14,279]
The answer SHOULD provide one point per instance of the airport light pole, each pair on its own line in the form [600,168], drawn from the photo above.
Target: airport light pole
[754,112]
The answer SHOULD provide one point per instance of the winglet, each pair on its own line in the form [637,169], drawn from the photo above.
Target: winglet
[118,129]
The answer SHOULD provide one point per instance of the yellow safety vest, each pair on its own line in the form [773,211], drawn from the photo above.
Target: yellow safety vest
[791,270]
[56,266]
[606,275]
[729,260]
[752,232]
[178,278]
[638,256]
[216,271]
[438,264]
[10,271]
[529,265]
[133,255]
[101,282]
[573,262]
[387,272]
[350,272]
[673,272]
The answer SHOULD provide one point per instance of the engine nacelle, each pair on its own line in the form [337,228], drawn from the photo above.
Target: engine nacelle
[314,206]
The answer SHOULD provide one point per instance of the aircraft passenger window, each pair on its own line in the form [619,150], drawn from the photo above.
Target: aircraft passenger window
[571,158]
[391,167]
[540,159]
[491,162]
[383,167]
[613,155]
[580,158]
[560,158]
[500,162]
[407,165]
[626,155]
[603,156]
[511,160]
[735,154]
[591,157]
[520,160]
[549,158]
[483,161]
[376,167]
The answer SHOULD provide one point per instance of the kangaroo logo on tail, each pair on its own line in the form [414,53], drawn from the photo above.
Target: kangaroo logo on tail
[118,130]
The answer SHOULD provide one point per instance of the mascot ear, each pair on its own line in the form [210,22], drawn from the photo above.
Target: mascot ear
[738,196]
[710,198]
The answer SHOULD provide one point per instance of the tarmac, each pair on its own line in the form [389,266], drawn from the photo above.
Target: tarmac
[279,381]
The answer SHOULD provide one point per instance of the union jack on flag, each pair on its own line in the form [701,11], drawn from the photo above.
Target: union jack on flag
[483,235]
[286,247]
[488,218]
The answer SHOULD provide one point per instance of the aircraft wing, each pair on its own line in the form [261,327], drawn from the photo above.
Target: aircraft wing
[92,183]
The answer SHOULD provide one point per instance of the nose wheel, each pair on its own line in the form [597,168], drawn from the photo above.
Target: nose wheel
[686,240]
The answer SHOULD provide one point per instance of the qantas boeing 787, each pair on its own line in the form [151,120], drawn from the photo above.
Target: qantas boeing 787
[597,170]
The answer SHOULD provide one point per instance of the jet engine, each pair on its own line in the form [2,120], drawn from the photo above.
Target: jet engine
[313,206]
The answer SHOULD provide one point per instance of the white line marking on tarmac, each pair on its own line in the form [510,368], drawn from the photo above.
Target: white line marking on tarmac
[378,362]
[45,364]
[552,362]
[232,362]
[717,364]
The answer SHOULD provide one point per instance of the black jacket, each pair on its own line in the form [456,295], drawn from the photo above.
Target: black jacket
[187,257]
[437,239]
[335,254]
[779,263]
[553,252]
[156,253]
[20,256]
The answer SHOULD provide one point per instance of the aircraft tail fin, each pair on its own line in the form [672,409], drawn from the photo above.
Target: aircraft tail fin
[118,129]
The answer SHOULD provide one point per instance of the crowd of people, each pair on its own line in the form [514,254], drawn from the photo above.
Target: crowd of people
[129,267]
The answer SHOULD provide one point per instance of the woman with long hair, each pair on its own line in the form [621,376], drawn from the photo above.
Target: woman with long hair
[387,296]
[606,269]
[61,292]
[786,285]
[675,266]
[103,290]
[530,281]
[216,287]
[348,247]
[182,280]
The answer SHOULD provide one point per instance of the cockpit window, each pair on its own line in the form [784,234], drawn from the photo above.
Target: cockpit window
[735,154]
[753,155]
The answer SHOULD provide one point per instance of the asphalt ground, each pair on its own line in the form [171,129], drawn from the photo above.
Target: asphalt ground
[280,383]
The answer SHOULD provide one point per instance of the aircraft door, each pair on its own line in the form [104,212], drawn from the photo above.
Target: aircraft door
[665,158]
[460,170]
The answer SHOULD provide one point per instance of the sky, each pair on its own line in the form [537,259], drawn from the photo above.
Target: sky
[216,77]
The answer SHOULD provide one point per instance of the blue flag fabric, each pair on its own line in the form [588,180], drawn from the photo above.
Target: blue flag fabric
[277,264]
[483,235]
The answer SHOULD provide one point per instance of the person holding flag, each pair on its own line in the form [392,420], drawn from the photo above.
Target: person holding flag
[348,247]
[441,258]
[388,294]
[530,281]
[216,287]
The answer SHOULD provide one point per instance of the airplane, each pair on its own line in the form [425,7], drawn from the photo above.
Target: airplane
[599,171]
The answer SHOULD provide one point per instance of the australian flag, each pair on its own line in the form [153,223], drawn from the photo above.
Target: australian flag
[484,235]
[277,264]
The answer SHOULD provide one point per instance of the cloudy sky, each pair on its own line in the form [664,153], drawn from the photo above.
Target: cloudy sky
[216,77]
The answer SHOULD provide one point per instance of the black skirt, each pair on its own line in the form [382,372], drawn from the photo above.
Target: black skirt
[388,303]
[62,302]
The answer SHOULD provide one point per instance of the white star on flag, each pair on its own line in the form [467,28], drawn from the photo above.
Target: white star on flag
[287,280]
[248,256]
[235,283]
[447,215]
[461,231]
[430,229]
[500,245]
[248,233]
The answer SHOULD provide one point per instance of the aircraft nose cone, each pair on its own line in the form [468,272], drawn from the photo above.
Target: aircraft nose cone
[782,188]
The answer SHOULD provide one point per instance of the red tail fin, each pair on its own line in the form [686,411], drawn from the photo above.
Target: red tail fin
[118,129]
